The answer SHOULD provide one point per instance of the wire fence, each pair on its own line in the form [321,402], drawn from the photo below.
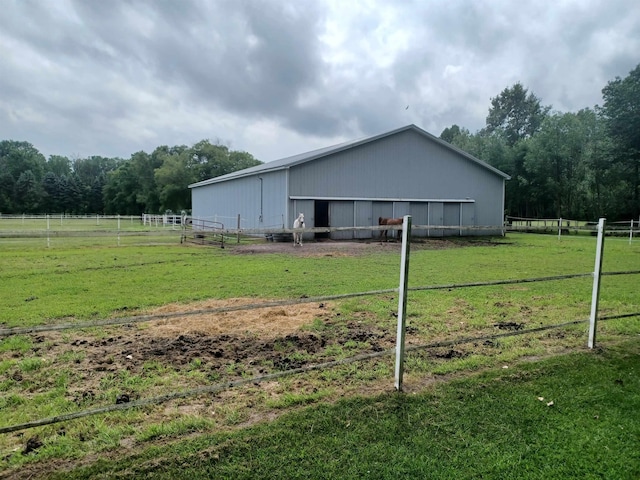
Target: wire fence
[219,387]
[271,376]
[61,229]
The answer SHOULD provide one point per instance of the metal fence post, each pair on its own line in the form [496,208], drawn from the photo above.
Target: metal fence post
[595,294]
[402,300]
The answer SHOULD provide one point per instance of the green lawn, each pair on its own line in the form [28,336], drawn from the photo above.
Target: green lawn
[80,280]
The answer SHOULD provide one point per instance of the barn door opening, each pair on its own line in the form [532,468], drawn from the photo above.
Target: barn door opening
[321,214]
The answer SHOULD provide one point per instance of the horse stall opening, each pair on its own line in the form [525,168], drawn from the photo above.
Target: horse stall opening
[321,216]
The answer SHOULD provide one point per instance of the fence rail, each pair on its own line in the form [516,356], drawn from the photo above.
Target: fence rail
[563,225]
[64,225]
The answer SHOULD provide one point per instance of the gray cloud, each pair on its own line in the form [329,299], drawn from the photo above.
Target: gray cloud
[276,78]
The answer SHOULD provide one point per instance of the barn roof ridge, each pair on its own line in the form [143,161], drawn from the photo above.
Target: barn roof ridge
[291,161]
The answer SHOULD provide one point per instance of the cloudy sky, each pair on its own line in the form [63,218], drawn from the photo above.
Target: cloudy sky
[281,77]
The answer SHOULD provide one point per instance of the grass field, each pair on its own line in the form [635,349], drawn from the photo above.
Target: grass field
[83,280]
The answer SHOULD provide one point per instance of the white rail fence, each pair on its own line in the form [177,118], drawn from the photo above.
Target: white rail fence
[565,226]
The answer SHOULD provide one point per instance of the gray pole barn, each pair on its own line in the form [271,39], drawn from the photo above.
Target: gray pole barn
[406,171]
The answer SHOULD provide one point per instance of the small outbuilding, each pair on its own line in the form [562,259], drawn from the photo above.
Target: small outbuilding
[406,171]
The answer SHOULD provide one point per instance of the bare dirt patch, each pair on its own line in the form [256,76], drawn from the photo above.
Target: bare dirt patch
[224,345]
[279,320]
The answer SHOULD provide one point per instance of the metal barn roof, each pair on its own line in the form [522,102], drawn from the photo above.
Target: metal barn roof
[288,162]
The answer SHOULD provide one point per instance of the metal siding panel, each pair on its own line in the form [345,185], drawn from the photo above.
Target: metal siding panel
[419,216]
[363,217]
[451,216]
[406,165]
[469,217]
[400,209]
[381,209]
[223,202]
[341,215]
[274,200]
[436,216]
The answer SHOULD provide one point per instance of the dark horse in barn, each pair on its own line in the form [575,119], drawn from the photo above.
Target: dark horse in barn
[389,221]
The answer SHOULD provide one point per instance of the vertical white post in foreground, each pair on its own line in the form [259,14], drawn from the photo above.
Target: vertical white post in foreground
[402,299]
[118,229]
[48,226]
[595,294]
[631,232]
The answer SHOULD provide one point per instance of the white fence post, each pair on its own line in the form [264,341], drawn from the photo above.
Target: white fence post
[595,294]
[559,228]
[631,232]
[402,300]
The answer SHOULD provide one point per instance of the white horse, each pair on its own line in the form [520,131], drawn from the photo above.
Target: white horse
[297,236]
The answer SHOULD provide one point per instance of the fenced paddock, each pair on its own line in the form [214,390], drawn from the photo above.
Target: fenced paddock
[71,230]
[513,308]
[563,226]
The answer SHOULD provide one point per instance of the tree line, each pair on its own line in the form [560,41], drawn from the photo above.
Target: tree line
[151,183]
[581,165]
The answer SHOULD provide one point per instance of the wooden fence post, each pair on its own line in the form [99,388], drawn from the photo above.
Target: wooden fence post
[402,300]
[595,294]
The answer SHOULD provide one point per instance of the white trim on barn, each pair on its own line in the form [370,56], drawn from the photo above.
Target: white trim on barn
[373,199]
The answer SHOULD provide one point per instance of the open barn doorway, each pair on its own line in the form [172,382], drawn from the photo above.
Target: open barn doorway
[321,215]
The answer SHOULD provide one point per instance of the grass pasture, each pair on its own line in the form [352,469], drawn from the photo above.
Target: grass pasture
[256,429]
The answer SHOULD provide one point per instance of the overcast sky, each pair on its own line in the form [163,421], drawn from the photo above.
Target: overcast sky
[277,78]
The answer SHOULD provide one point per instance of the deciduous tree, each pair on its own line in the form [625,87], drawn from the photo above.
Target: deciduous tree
[515,115]
[621,110]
